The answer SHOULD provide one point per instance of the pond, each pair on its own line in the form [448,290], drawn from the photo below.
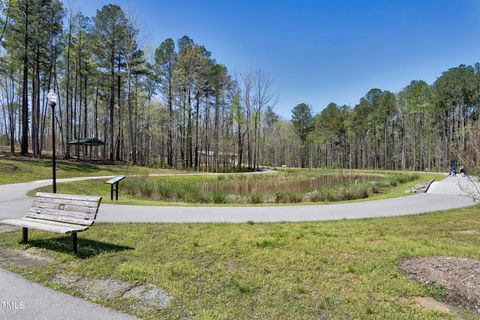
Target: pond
[300,184]
[281,187]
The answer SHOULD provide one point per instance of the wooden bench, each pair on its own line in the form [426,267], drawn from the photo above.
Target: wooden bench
[59,213]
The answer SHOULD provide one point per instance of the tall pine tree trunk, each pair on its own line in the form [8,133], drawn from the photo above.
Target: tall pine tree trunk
[24,144]
[133,142]
[421,151]
[112,102]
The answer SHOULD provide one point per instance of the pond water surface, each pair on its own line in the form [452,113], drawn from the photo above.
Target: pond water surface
[293,185]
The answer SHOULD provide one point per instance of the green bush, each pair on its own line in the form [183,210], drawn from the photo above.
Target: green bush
[374,188]
[393,181]
[316,196]
[256,198]
[280,197]
[288,197]
[349,194]
[362,192]
[295,197]
[220,197]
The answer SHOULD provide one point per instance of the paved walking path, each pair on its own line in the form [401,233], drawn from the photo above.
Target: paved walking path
[22,299]
[442,195]
[456,185]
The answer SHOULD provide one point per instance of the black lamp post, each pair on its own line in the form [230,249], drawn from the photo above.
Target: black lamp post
[52,101]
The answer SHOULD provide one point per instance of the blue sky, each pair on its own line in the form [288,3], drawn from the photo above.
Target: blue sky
[320,51]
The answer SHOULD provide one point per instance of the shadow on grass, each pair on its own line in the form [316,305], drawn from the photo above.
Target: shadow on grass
[86,248]
[79,166]
[83,166]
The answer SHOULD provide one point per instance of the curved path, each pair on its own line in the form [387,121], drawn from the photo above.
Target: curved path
[443,195]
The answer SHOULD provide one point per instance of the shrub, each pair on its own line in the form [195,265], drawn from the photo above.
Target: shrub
[374,188]
[294,197]
[256,197]
[140,186]
[199,197]
[362,192]
[331,196]
[233,198]
[348,193]
[288,197]
[327,195]
[220,197]
[316,196]
[393,181]
[280,197]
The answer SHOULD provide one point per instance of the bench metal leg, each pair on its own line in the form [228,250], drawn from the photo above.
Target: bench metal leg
[74,242]
[24,235]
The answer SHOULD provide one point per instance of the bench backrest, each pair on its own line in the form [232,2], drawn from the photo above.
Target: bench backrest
[74,209]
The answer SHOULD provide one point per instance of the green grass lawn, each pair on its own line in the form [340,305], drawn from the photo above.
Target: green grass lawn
[328,270]
[98,187]
[14,171]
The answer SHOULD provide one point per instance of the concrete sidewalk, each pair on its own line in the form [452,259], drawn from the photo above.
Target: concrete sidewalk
[415,204]
[455,185]
[21,299]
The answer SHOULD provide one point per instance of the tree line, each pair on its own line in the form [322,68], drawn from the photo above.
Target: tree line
[177,106]
[421,127]
[173,106]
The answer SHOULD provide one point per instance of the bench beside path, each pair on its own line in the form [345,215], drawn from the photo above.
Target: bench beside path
[58,213]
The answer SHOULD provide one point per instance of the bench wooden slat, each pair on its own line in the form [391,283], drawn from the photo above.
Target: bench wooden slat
[56,223]
[66,219]
[66,213]
[90,204]
[68,196]
[45,225]
[67,207]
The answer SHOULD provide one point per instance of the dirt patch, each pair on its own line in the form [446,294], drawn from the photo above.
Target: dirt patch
[142,297]
[65,280]
[147,296]
[23,258]
[97,288]
[432,304]
[231,266]
[459,277]
[108,289]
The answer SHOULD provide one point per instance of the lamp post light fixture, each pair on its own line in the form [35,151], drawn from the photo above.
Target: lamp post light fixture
[52,101]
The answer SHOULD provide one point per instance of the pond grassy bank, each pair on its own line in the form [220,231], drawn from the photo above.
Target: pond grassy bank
[285,187]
